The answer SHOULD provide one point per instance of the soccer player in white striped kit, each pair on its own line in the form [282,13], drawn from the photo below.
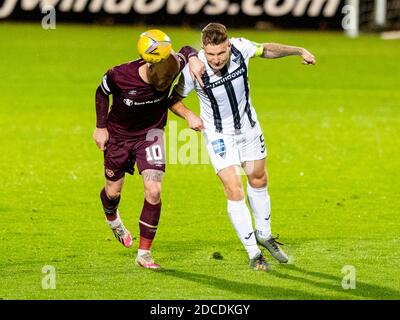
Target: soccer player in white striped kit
[232,133]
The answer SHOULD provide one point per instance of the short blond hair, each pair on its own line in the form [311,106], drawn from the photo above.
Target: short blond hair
[214,34]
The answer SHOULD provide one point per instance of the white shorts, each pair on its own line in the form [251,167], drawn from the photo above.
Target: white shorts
[228,150]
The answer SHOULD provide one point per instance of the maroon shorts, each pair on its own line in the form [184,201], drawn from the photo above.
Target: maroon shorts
[121,155]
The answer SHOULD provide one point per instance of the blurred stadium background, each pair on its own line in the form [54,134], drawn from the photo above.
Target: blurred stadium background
[332,133]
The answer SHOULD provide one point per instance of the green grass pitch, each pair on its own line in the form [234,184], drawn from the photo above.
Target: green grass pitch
[332,133]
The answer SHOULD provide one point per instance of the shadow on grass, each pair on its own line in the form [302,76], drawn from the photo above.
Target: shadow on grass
[251,290]
[362,290]
[260,291]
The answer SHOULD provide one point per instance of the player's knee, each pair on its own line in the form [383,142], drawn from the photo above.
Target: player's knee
[113,194]
[234,193]
[113,189]
[259,181]
[153,194]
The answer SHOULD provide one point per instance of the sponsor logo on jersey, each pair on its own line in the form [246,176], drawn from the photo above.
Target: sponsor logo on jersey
[229,77]
[128,102]
[219,147]
[237,60]
[132,92]
[142,103]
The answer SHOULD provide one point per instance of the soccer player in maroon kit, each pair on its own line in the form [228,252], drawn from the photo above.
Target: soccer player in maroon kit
[132,132]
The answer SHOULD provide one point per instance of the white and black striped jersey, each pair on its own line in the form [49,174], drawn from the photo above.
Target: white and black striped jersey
[225,104]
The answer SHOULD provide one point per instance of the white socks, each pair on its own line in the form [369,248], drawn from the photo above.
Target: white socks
[142,252]
[261,206]
[241,219]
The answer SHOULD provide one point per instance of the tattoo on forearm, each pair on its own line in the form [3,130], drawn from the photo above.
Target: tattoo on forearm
[152,175]
[274,50]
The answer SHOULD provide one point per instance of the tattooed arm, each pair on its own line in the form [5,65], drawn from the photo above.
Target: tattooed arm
[276,50]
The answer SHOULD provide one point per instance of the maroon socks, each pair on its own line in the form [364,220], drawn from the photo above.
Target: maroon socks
[110,206]
[148,224]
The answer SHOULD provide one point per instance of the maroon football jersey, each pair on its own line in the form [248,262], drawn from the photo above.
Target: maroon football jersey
[137,106]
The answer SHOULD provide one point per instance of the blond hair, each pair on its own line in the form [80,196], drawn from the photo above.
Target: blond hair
[214,34]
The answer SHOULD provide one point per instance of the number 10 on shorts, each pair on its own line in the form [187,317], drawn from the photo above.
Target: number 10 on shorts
[154,153]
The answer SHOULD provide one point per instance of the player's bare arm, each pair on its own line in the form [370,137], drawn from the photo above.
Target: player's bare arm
[196,68]
[194,121]
[100,134]
[276,50]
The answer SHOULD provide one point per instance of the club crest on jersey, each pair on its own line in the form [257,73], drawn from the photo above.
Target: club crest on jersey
[128,102]
[237,60]
[110,173]
[219,147]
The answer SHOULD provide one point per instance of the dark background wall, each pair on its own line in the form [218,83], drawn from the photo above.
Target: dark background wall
[322,14]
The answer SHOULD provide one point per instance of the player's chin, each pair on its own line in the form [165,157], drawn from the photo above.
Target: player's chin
[217,68]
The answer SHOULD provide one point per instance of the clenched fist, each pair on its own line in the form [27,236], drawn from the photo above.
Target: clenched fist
[100,136]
